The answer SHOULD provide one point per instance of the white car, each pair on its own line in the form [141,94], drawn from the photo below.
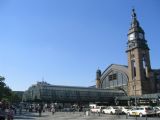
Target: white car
[98,109]
[157,110]
[141,111]
[112,110]
[125,109]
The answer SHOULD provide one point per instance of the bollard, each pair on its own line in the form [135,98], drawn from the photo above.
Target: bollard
[146,117]
[87,113]
[136,116]
[118,114]
[126,116]
[98,113]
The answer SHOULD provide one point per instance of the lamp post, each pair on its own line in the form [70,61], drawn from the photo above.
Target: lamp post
[135,96]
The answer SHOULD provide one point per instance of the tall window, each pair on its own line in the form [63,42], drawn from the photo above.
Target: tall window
[113,77]
[133,65]
[144,65]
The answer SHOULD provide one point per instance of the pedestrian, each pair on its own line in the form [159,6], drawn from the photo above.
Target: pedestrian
[20,109]
[40,111]
[40,108]
[2,110]
[53,110]
[10,113]
[2,114]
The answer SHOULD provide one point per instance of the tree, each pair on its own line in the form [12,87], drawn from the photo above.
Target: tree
[2,85]
[5,91]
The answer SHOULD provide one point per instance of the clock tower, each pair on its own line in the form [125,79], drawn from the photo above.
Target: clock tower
[138,60]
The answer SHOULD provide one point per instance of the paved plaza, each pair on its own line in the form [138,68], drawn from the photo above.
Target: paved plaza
[76,116]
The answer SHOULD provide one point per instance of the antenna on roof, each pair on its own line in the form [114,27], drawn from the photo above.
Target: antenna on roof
[42,79]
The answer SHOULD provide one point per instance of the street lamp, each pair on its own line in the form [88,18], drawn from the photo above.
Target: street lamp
[134,86]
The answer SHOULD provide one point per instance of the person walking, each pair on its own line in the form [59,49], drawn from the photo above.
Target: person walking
[10,113]
[2,111]
[53,110]
[2,114]
[40,111]
[40,108]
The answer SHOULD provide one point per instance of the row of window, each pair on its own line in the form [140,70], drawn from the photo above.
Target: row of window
[113,77]
[114,80]
[50,92]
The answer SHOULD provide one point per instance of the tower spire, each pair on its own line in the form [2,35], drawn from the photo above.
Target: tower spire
[98,76]
[135,22]
[133,14]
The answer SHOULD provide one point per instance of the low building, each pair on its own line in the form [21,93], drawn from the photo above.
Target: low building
[45,92]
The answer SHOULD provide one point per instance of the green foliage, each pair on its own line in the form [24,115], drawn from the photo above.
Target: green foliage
[6,93]
[15,98]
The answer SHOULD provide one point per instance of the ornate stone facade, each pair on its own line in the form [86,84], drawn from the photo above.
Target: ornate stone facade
[139,78]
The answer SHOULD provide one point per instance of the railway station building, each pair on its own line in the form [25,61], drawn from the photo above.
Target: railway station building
[121,83]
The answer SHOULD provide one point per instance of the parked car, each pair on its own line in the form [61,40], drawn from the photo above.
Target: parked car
[157,110]
[125,109]
[112,110]
[98,109]
[141,111]
[92,105]
[68,109]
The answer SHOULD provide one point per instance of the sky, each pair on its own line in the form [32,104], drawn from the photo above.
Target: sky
[64,42]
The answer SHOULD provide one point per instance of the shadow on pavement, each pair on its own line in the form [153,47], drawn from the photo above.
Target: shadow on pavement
[21,117]
[29,116]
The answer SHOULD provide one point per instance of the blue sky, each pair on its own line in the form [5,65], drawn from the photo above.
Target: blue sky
[64,42]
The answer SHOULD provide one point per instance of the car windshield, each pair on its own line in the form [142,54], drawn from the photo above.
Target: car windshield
[148,108]
[127,107]
[115,107]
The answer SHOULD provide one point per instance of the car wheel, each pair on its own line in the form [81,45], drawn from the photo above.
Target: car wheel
[111,113]
[140,114]
[128,114]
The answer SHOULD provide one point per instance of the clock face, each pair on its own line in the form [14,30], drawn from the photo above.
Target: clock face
[132,36]
[140,35]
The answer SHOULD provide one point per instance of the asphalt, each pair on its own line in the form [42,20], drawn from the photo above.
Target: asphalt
[76,116]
